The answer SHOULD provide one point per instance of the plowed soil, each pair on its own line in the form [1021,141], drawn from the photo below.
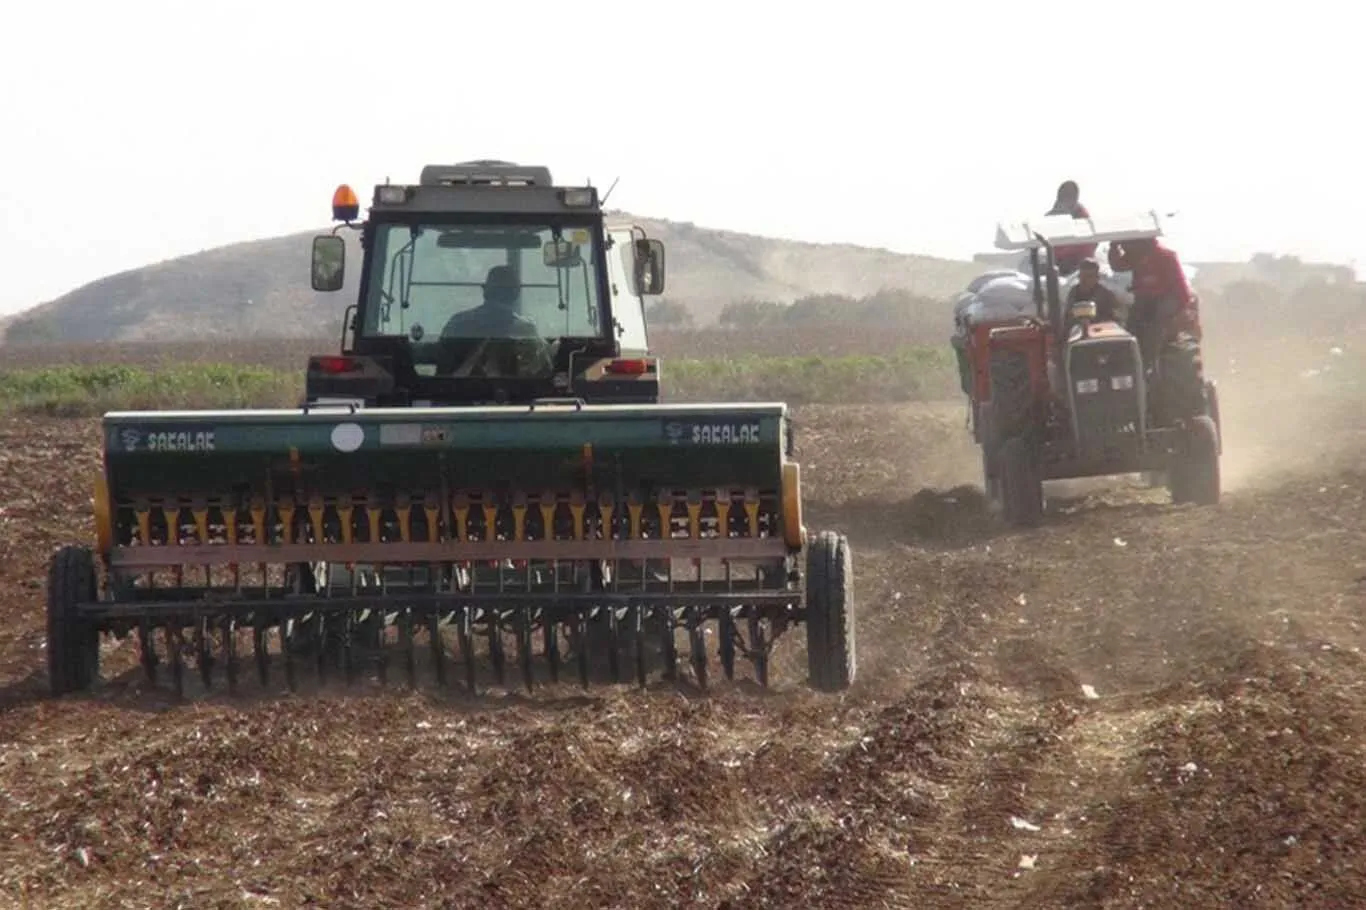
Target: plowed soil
[1135,705]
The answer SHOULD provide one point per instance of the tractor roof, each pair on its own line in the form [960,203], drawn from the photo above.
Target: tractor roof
[1064,229]
[485,187]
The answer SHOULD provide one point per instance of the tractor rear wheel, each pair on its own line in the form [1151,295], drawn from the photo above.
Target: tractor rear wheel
[73,643]
[1194,475]
[830,654]
[1021,482]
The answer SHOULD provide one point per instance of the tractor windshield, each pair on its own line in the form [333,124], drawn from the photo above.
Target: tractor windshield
[439,285]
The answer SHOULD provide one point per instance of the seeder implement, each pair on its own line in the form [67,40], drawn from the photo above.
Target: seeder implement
[558,538]
[483,475]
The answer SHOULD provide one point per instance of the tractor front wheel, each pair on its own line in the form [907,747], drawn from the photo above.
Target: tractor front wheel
[1021,479]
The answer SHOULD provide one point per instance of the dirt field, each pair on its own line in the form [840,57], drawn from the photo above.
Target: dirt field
[1137,705]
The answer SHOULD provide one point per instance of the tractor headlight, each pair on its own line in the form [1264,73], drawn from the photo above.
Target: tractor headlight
[579,197]
[1088,386]
[391,195]
[1085,309]
[1121,382]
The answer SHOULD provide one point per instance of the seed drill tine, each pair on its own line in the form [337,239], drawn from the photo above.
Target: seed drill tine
[759,650]
[524,630]
[230,653]
[409,642]
[697,645]
[287,638]
[438,659]
[582,648]
[173,643]
[549,627]
[466,635]
[348,630]
[670,646]
[203,656]
[725,633]
[638,610]
[323,625]
[258,642]
[148,648]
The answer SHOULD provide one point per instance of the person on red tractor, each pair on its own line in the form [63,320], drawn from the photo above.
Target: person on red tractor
[1088,287]
[1162,295]
[1165,319]
[1068,202]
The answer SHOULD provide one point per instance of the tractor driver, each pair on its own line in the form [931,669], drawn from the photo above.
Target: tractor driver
[1088,287]
[497,316]
[509,344]
[1068,202]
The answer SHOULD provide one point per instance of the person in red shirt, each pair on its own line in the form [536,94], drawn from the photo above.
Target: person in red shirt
[1162,295]
[1165,319]
[1068,202]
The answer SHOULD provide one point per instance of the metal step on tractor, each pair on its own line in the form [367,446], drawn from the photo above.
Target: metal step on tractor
[483,480]
[1059,393]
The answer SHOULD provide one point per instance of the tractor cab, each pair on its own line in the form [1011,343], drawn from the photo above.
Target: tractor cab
[485,283]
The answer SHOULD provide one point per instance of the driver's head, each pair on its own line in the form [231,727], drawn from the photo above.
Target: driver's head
[500,287]
[1088,273]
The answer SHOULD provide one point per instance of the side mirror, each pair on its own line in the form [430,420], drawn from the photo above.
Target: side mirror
[329,262]
[650,266]
[561,254]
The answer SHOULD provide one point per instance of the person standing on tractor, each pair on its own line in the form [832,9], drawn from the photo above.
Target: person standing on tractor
[1165,319]
[1068,202]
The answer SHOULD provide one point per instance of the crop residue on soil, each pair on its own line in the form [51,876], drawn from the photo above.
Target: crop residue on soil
[1134,704]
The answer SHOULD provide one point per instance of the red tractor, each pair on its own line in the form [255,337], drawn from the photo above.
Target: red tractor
[1058,393]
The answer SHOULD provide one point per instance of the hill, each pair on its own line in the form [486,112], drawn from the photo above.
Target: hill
[260,288]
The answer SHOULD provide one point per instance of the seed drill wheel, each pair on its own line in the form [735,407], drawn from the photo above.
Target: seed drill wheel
[73,644]
[830,612]
[1194,475]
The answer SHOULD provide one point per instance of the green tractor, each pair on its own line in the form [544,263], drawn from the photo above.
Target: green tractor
[484,476]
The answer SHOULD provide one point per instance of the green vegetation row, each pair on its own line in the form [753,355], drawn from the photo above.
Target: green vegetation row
[913,374]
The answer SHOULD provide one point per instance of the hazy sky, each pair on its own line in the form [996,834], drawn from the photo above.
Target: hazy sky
[139,131]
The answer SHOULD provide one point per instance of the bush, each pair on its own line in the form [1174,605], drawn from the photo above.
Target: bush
[912,374]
